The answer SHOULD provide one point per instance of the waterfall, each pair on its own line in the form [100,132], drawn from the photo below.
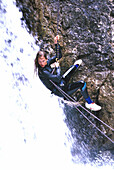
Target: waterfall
[33,134]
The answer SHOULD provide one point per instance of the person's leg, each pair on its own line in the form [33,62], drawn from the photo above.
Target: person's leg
[85,94]
[89,103]
[82,86]
[73,87]
[67,75]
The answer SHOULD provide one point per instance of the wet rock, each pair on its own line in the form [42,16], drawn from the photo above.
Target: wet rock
[86,32]
[107,95]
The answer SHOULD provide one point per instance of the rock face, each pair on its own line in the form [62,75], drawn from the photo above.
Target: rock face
[86,32]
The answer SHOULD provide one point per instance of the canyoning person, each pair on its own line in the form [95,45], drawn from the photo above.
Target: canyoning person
[46,75]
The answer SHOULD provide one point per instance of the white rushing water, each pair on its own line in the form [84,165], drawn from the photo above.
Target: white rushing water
[32,130]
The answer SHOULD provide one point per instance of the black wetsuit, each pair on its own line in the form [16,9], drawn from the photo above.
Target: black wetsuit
[45,75]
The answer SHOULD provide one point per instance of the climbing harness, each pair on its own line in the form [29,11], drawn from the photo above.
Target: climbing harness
[69,98]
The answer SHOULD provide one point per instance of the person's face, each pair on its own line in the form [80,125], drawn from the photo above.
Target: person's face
[42,61]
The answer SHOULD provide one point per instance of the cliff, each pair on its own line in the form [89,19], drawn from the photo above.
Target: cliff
[86,32]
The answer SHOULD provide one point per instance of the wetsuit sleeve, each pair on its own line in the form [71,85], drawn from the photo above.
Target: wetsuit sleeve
[58,50]
[53,59]
[55,78]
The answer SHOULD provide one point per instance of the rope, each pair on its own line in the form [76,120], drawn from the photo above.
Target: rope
[69,98]
[97,118]
[58,7]
[57,53]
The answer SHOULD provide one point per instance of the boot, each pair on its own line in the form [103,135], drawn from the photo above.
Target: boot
[93,106]
[78,62]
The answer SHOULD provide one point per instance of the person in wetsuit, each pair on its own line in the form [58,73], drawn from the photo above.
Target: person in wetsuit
[45,73]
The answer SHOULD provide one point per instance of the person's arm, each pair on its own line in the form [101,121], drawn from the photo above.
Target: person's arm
[52,77]
[57,48]
[58,51]
[53,59]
